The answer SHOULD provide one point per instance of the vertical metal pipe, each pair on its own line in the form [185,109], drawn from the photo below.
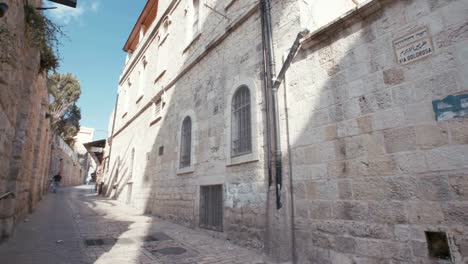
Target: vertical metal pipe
[271,72]
[266,92]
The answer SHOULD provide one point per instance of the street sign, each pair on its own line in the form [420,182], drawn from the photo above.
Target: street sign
[70,3]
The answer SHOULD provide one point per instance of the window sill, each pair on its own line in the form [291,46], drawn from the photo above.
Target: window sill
[139,99]
[159,76]
[155,121]
[185,170]
[191,42]
[163,39]
[247,158]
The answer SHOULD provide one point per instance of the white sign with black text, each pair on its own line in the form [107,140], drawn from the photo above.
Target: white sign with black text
[413,46]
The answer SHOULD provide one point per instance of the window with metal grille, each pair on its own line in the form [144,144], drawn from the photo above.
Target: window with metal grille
[157,109]
[132,165]
[211,207]
[241,135]
[186,143]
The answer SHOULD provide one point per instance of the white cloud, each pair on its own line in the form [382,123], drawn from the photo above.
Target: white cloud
[65,15]
[95,6]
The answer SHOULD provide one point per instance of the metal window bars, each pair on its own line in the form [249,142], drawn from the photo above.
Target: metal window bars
[211,207]
[186,143]
[241,131]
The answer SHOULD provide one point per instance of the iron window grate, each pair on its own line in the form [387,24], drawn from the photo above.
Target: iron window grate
[211,207]
[241,131]
[186,143]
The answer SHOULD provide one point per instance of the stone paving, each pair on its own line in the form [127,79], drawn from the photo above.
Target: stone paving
[76,226]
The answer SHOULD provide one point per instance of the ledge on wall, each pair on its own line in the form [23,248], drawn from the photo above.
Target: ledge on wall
[363,10]
[191,42]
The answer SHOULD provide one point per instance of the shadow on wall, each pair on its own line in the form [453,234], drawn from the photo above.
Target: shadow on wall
[373,171]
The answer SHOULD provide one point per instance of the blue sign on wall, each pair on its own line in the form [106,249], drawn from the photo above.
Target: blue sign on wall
[452,106]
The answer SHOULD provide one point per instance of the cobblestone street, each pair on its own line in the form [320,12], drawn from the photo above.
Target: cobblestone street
[76,226]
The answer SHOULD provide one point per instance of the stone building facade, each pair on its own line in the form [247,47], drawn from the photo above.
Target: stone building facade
[372,127]
[377,172]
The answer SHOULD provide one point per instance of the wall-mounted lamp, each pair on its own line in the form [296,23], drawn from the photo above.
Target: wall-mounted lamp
[3,9]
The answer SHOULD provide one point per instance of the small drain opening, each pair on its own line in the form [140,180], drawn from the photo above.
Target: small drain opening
[158,236]
[170,251]
[438,246]
[99,242]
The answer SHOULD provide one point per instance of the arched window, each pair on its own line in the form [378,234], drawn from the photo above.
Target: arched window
[186,143]
[132,165]
[241,135]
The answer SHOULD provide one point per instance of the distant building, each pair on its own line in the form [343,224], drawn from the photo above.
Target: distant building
[85,135]
[363,159]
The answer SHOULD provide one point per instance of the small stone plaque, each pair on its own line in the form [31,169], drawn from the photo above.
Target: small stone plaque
[413,46]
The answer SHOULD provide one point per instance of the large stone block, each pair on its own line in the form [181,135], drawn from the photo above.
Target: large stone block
[455,213]
[387,119]
[458,129]
[350,210]
[320,210]
[393,76]
[345,244]
[451,35]
[425,213]
[434,188]
[372,189]
[388,212]
[411,162]
[431,136]
[459,186]
[354,147]
[400,139]
[365,124]
[448,158]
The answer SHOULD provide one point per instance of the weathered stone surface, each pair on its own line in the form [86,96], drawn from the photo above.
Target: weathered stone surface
[400,139]
[393,76]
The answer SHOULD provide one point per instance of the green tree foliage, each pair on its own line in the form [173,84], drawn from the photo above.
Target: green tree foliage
[43,34]
[64,90]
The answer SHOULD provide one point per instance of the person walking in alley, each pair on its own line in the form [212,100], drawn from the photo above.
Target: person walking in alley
[55,182]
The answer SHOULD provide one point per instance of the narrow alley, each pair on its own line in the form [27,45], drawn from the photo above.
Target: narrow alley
[77,226]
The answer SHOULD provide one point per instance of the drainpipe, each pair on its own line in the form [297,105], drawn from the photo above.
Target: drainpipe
[292,53]
[271,76]
[272,83]
[266,78]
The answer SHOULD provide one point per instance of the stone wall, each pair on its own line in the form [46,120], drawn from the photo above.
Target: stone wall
[66,162]
[24,129]
[373,170]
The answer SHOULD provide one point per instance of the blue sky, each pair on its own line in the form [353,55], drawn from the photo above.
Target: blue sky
[96,32]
